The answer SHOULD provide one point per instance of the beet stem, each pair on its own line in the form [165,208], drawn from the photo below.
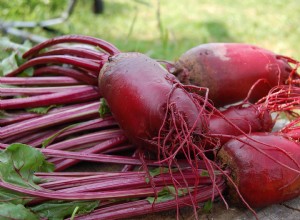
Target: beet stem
[117,194]
[38,81]
[11,118]
[65,71]
[76,51]
[97,123]
[142,207]
[67,97]
[88,138]
[61,59]
[72,114]
[13,91]
[95,149]
[111,49]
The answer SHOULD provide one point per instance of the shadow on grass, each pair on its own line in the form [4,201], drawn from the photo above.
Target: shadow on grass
[214,31]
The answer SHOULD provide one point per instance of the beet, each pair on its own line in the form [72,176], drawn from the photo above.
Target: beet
[237,120]
[148,102]
[264,167]
[229,70]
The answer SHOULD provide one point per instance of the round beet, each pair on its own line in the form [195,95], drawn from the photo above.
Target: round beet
[229,70]
[238,120]
[264,167]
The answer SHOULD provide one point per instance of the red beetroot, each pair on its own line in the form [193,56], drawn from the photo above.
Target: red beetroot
[229,70]
[149,103]
[156,112]
[263,178]
[237,120]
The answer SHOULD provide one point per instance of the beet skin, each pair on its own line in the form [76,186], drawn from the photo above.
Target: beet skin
[237,120]
[230,69]
[263,181]
[141,94]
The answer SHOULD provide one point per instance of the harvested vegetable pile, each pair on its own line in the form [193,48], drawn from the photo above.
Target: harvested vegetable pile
[75,99]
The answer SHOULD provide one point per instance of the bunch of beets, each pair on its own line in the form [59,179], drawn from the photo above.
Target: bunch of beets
[153,135]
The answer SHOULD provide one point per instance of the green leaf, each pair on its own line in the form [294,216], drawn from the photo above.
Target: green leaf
[104,109]
[3,114]
[74,213]
[208,205]
[166,194]
[9,64]
[7,47]
[17,212]
[19,162]
[59,209]
[13,197]
[204,173]
[47,141]
[147,180]
[11,56]
[157,171]
[41,110]
[163,196]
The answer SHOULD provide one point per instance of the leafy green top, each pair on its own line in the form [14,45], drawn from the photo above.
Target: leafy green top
[18,164]
[11,56]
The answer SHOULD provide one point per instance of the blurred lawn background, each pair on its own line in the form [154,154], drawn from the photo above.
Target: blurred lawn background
[167,28]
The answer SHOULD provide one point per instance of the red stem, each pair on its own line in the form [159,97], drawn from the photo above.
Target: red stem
[88,138]
[60,180]
[76,51]
[26,137]
[111,49]
[96,149]
[134,183]
[11,118]
[97,123]
[39,81]
[125,148]
[70,115]
[117,194]
[104,158]
[13,91]
[84,174]
[143,207]
[67,97]
[61,59]
[70,72]
[127,167]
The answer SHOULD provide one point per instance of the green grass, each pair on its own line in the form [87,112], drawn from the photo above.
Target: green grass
[134,25]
